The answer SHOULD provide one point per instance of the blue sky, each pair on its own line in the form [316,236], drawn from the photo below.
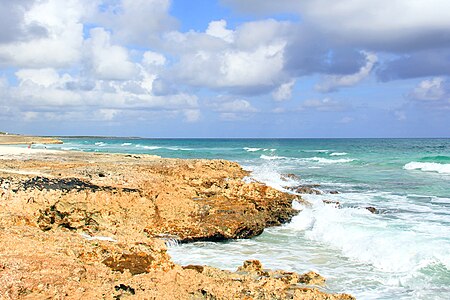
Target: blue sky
[226,68]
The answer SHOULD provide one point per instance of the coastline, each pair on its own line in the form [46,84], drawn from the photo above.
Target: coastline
[16,139]
[106,217]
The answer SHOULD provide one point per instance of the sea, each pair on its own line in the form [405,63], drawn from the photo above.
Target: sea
[402,251]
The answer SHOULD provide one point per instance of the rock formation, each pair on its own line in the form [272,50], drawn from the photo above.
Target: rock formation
[90,226]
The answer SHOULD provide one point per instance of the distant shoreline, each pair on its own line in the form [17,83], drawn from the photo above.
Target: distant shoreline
[15,139]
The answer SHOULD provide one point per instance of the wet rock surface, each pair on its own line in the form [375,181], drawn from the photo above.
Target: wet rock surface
[306,189]
[92,226]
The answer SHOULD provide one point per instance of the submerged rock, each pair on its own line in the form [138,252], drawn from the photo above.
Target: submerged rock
[372,209]
[306,189]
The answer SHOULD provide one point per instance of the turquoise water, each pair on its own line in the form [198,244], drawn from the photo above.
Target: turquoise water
[401,252]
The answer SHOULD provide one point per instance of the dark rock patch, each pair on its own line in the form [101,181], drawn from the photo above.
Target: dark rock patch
[136,263]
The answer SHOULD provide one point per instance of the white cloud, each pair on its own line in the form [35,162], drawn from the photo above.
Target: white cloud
[235,106]
[253,62]
[62,43]
[377,22]
[382,24]
[333,82]
[139,22]
[151,58]
[325,104]
[219,30]
[42,77]
[430,90]
[108,61]
[284,91]
[400,115]
[192,115]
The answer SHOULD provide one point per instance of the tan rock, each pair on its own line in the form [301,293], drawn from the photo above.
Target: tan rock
[92,226]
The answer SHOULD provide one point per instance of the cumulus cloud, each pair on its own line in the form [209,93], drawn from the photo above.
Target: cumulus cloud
[107,61]
[331,83]
[151,58]
[284,91]
[138,22]
[431,90]
[12,16]
[250,62]
[399,25]
[231,110]
[325,104]
[218,29]
[61,39]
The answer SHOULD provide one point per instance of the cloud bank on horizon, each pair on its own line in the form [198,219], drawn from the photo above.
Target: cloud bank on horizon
[229,68]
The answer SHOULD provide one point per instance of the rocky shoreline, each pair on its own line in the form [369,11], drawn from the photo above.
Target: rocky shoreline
[87,225]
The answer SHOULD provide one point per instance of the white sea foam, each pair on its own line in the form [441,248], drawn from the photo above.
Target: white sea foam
[269,173]
[322,160]
[428,167]
[249,149]
[272,157]
[179,149]
[126,144]
[148,147]
[369,238]
[338,153]
[100,144]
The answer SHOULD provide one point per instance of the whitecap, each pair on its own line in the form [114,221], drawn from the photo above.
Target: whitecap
[179,149]
[322,160]
[100,144]
[249,149]
[273,157]
[148,147]
[369,238]
[338,153]
[126,144]
[428,167]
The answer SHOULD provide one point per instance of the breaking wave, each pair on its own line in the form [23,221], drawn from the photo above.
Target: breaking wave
[428,167]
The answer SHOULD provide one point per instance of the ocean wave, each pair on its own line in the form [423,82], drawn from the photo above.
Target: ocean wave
[100,144]
[436,159]
[179,149]
[317,151]
[274,157]
[249,149]
[148,147]
[338,153]
[126,144]
[428,167]
[366,238]
[322,160]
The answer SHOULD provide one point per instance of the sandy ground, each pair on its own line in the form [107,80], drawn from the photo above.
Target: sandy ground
[6,152]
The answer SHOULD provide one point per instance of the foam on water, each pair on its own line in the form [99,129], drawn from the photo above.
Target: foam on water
[400,252]
[249,149]
[389,245]
[148,147]
[126,144]
[428,167]
[273,157]
[322,160]
[338,153]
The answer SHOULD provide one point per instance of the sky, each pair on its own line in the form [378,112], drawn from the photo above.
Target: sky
[225,68]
